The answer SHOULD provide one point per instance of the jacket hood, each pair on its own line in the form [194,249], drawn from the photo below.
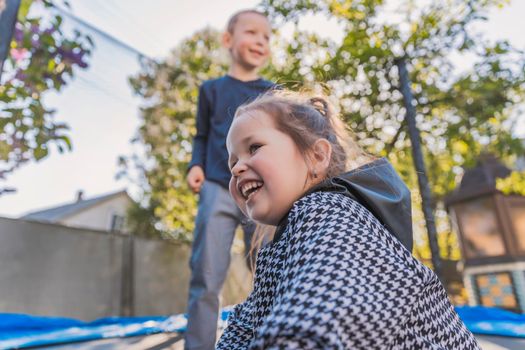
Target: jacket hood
[378,187]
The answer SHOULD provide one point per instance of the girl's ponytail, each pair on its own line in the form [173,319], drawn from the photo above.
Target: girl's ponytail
[321,105]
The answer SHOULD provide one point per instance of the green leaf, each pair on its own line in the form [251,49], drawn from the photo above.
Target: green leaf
[24,9]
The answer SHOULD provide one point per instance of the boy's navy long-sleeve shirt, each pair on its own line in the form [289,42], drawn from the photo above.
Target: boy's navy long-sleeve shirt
[218,100]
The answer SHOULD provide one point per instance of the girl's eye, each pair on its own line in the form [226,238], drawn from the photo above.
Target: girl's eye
[254,148]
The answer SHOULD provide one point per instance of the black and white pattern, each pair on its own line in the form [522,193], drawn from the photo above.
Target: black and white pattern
[337,279]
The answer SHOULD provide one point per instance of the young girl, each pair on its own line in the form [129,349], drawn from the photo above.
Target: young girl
[339,273]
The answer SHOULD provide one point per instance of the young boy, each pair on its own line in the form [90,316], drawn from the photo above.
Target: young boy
[247,39]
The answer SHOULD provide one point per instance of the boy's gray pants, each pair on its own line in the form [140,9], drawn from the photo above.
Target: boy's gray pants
[217,218]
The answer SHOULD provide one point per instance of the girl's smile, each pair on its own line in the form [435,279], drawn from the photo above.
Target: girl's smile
[249,188]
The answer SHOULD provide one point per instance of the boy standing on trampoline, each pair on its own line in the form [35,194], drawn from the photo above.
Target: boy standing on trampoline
[247,39]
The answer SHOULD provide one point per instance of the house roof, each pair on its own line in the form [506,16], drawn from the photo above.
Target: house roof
[58,213]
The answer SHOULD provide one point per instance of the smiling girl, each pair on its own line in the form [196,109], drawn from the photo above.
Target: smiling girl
[339,273]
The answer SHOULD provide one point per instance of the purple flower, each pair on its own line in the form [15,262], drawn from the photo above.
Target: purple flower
[74,56]
[18,35]
[67,55]
[35,29]
[35,43]
[20,75]
[50,30]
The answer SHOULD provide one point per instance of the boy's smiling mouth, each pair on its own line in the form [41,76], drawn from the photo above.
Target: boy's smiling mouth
[257,52]
[249,187]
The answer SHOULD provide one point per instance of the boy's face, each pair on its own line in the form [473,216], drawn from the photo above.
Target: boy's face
[249,44]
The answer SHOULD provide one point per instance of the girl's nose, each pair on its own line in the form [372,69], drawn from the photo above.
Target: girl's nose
[239,168]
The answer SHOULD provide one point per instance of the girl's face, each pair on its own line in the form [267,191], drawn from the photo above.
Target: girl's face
[268,171]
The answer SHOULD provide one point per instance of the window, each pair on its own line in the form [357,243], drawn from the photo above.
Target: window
[117,223]
[482,236]
[517,216]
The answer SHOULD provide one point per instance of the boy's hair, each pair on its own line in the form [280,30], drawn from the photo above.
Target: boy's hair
[230,27]
[306,118]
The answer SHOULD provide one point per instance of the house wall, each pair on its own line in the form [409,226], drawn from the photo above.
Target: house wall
[53,270]
[99,216]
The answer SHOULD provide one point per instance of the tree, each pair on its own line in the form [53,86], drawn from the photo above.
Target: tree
[460,113]
[169,90]
[42,58]
[514,184]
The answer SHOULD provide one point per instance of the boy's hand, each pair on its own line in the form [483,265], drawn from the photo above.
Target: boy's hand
[195,178]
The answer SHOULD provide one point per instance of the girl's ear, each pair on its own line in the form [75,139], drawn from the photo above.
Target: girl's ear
[227,40]
[321,155]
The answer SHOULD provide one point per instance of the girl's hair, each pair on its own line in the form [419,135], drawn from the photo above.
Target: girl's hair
[230,27]
[307,118]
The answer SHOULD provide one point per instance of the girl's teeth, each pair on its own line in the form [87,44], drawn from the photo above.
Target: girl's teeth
[250,188]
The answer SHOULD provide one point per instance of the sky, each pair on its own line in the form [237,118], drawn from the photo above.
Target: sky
[98,104]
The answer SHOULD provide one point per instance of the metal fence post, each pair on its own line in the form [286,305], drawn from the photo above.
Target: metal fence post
[7,23]
[419,163]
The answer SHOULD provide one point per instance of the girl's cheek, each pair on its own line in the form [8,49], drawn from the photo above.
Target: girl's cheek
[256,159]
[233,188]
[235,194]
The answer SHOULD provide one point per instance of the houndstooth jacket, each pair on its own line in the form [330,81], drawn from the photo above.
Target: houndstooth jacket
[337,279]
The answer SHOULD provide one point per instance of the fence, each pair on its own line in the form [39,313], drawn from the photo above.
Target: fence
[54,270]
